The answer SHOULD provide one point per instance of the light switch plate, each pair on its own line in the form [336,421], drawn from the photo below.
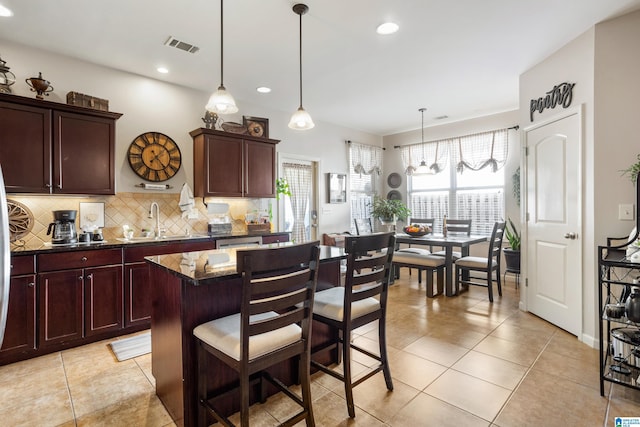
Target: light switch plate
[625,212]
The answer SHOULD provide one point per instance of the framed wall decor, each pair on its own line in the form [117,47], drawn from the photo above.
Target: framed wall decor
[91,215]
[337,187]
[256,126]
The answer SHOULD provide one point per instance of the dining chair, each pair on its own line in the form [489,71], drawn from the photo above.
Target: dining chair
[486,266]
[273,325]
[456,226]
[362,300]
[363,225]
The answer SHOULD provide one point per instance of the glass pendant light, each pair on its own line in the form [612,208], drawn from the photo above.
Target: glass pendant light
[423,168]
[221,102]
[301,120]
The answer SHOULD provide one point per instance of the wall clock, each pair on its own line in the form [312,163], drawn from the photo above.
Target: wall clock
[154,156]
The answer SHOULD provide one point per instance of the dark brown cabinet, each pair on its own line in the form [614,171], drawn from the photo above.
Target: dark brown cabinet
[60,305]
[137,283]
[230,165]
[53,148]
[275,238]
[79,295]
[103,299]
[137,291]
[20,334]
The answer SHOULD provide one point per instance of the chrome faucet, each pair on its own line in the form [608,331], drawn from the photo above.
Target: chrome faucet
[158,232]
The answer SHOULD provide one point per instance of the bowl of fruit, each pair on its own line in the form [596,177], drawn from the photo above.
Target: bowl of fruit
[417,230]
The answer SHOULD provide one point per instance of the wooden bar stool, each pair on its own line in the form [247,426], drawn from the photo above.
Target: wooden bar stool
[362,300]
[273,325]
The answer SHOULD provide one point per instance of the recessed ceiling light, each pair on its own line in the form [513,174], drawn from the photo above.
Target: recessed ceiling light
[163,70]
[263,89]
[387,28]
[4,11]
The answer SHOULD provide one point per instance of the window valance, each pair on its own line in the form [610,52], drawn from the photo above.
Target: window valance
[366,159]
[474,152]
[481,150]
[428,157]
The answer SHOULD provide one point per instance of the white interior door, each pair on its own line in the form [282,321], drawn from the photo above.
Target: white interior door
[298,213]
[554,254]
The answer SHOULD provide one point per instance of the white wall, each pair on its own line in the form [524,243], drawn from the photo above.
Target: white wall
[603,62]
[573,63]
[154,105]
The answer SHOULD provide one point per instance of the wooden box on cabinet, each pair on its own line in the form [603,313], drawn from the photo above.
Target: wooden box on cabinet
[53,148]
[231,165]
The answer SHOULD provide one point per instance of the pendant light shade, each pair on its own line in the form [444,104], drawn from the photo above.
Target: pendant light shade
[221,101]
[301,120]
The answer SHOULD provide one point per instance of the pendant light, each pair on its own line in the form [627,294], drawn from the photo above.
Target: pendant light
[221,102]
[423,168]
[301,120]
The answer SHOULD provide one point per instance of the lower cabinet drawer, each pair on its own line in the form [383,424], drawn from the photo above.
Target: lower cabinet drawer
[22,264]
[79,259]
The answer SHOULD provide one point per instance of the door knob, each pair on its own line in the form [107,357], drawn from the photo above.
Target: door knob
[571,236]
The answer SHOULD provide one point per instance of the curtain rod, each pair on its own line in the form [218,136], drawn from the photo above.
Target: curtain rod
[516,127]
[348,141]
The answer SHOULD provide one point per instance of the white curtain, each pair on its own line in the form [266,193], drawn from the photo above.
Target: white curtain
[481,150]
[299,177]
[435,156]
[365,159]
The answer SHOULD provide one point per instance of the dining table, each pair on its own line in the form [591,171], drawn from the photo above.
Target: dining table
[448,242]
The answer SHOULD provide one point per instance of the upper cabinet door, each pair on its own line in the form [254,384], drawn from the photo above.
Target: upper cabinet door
[25,148]
[223,163]
[83,154]
[260,166]
[231,165]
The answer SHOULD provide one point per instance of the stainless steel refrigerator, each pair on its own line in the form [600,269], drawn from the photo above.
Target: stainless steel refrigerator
[5,258]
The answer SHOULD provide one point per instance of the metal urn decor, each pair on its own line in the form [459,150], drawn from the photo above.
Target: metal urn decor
[40,86]
[7,78]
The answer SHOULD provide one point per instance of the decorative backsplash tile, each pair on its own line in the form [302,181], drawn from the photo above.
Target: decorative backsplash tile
[131,209]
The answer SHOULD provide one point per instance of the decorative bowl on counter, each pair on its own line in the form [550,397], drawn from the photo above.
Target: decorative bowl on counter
[417,230]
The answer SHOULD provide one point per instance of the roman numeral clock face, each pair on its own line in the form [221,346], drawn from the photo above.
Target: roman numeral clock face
[154,156]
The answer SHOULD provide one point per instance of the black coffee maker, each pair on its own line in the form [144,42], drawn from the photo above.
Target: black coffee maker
[63,229]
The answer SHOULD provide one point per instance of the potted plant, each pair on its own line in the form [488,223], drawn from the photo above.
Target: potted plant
[512,254]
[389,211]
[633,170]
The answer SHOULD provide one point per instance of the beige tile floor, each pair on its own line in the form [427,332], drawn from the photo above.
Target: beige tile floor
[455,362]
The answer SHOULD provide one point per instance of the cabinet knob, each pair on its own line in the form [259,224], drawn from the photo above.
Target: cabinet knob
[47,186]
[80,278]
[31,284]
[89,276]
[83,259]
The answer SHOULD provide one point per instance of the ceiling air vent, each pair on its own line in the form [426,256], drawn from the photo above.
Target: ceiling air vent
[172,42]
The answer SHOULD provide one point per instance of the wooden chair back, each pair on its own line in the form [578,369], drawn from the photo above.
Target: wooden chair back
[459,226]
[368,268]
[426,221]
[281,280]
[363,225]
[495,243]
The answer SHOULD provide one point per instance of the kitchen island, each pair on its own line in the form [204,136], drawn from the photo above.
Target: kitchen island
[193,288]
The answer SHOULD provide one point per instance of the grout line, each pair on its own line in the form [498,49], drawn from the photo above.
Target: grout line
[523,377]
[66,380]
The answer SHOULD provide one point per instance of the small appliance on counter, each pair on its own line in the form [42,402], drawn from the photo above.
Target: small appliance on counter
[63,227]
[219,221]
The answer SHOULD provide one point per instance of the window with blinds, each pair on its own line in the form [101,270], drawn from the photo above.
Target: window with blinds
[475,195]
